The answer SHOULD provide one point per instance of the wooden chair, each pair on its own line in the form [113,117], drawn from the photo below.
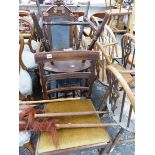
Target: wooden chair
[78,138]
[29,33]
[25,92]
[127,63]
[29,76]
[50,67]
[121,106]
[27,30]
[117,14]
[25,81]
[59,36]
[69,74]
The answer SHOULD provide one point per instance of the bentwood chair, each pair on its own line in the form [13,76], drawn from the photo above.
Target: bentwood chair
[75,139]
[25,81]
[27,29]
[25,92]
[121,107]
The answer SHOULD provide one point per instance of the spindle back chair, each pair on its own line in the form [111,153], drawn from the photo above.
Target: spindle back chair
[120,104]
[126,63]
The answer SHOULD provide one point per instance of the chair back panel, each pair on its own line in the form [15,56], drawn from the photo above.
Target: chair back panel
[86,78]
[61,36]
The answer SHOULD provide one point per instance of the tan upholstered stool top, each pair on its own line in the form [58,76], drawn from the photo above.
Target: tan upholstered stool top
[71,138]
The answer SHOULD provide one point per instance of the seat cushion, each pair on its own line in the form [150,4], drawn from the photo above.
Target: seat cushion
[25,83]
[28,58]
[34,44]
[70,138]
[60,35]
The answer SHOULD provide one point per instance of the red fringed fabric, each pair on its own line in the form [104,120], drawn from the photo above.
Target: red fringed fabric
[42,125]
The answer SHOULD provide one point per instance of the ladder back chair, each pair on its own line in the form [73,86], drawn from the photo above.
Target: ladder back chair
[44,57]
[82,132]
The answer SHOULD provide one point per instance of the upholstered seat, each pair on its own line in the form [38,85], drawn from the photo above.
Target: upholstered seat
[76,137]
[28,58]
[25,83]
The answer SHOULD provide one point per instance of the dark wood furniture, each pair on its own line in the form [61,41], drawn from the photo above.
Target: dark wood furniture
[75,139]
[60,37]
[59,12]
[44,57]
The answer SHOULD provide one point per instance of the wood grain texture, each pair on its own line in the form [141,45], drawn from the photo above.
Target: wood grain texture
[67,55]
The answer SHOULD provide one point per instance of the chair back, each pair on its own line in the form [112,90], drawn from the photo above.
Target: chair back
[121,104]
[84,86]
[21,48]
[59,36]
[128,51]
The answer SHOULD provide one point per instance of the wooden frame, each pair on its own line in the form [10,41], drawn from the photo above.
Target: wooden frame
[58,12]
[126,68]
[114,77]
[42,58]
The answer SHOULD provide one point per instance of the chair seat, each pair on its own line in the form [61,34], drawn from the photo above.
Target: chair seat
[72,138]
[28,58]
[25,83]
[67,66]
[126,76]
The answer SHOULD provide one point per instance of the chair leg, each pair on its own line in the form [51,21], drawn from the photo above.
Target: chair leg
[116,140]
[103,151]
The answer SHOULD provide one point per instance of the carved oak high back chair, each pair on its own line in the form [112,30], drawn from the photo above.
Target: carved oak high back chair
[44,57]
[121,106]
[59,36]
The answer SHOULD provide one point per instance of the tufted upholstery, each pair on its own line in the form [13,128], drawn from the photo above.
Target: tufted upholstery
[60,35]
[28,58]
[25,83]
